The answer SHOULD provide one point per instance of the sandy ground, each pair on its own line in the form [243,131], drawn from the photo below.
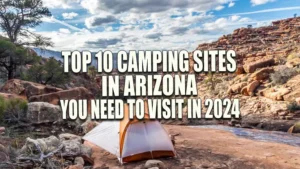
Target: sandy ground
[215,149]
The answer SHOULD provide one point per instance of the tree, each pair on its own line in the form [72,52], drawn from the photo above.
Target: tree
[12,56]
[17,16]
[51,72]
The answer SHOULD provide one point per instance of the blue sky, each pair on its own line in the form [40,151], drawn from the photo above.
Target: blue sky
[154,24]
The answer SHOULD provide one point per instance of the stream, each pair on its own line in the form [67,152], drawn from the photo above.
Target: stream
[260,135]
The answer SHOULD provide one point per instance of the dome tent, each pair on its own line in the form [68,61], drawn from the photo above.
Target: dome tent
[132,140]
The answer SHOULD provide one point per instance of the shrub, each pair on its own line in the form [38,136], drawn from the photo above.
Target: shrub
[292,107]
[282,76]
[2,109]
[51,73]
[12,110]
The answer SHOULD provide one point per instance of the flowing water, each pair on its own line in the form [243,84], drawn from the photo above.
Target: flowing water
[260,135]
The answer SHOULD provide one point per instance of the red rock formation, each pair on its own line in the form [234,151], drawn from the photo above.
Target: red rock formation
[26,89]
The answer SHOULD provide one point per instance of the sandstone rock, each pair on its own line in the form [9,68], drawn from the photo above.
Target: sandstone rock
[262,74]
[79,161]
[8,96]
[78,93]
[293,62]
[275,94]
[236,88]
[53,98]
[244,91]
[26,89]
[40,112]
[68,136]
[252,67]
[292,95]
[240,70]
[293,83]
[154,163]
[252,86]
[297,100]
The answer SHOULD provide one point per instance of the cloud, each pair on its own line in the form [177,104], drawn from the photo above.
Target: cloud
[70,15]
[103,43]
[268,10]
[147,6]
[260,2]
[220,7]
[153,35]
[60,3]
[64,31]
[178,30]
[231,4]
[235,17]
[95,21]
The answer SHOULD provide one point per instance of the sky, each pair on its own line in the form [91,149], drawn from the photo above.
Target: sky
[154,24]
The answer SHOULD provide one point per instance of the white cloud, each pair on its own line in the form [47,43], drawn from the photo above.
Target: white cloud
[60,3]
[64,31]
[220,7]
[70,15]
[235,17]
[260,2]
[147,6]
[231,4]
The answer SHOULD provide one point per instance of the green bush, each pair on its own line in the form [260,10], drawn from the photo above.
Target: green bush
[2,109]
[292,107]
[51,73]
[282,76]
[12,109]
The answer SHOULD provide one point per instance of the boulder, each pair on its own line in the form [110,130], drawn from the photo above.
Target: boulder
[73,148]
[294,84]
[262,74]
[297,100]
[236,88]
[79,161]
[68,136]
[26,89]
[40,112]
[46,145]
[253,66]
[154,163]
[240,70]
[79,93]
[293,63]
[244,91]
[252,87]
[8,96]
[275,93]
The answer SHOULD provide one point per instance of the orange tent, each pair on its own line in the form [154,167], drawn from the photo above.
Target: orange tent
[132,140]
